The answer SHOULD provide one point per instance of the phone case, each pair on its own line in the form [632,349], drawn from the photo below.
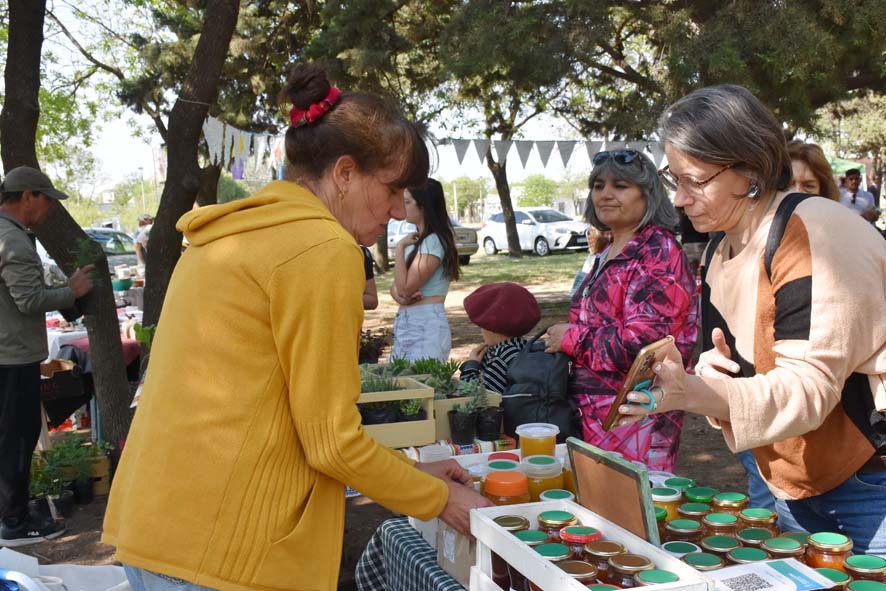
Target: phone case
[641,370]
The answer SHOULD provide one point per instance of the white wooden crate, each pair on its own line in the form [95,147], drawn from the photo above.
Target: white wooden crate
[493,538]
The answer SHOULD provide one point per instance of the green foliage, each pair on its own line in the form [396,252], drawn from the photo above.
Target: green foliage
[538,191]
[85,253]
[145,335]
[375,383]
[470,193]
[399,366]
[229,189]
[410,407]
[856,127]
[43,481]
[373,343]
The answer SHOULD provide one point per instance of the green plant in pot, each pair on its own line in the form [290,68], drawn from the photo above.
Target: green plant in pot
[377,413]
[40,486]
[412,410]
[441,376]
[463,422]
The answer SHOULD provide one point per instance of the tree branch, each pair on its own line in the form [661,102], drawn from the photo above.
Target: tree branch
[84,52]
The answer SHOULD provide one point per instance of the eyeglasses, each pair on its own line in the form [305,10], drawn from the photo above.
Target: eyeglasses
[688,184]
[620,156]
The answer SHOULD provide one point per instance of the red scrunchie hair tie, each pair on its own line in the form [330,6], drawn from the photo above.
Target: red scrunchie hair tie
[300,117]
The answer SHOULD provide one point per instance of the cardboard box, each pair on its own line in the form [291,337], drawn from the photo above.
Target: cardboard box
[407,433]
[455,553]
[60,379]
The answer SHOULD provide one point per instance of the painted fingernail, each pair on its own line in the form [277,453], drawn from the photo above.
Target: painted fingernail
[657,367]
[633,397]
[624,410]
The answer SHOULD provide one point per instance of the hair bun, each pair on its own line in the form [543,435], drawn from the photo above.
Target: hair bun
[306,84]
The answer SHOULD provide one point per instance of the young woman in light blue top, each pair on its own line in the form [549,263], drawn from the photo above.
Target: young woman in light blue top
[425,262]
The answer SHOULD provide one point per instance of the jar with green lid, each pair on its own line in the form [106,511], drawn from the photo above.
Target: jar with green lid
[839,578]
[800,536]
[598,553]
[719,545]
[680,549]
[580,570]
[753,536]
[694,511]
[729,502]
[576,537]
[746,555]
[654,577]
[759,518]
[668,499]
[679,483]
[556,553]
[602,587]
[551,522]
[828,550]
[683,530]
[544,473]
[784,548]
[704,562]
[700,494]
[866,586]
[866,568]
[720,524]
[557,494]
[624,567]
[661,517]
[512,524]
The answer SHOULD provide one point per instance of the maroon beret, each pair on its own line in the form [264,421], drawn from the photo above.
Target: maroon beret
[505,308]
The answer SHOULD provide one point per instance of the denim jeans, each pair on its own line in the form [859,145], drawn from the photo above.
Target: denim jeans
[758,493]
[856,508]
[422,331]
[145,580]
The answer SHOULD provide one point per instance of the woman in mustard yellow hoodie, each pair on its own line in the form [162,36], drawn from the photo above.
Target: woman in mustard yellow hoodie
[233,474]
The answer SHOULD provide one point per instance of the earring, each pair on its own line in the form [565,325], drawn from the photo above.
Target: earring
[341,197]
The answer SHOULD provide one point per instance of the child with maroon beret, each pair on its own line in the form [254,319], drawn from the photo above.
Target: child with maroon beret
[504,312]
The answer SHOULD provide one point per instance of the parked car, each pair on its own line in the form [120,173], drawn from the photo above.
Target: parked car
[465,239]
[540,230]
[117,246]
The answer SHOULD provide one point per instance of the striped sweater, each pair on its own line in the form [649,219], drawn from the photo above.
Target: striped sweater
[494,369]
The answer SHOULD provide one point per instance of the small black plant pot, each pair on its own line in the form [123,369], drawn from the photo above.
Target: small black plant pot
[63,504]
[379,416]
[419,416]
[462,428]
[489,423]
[83,491]
[40,507]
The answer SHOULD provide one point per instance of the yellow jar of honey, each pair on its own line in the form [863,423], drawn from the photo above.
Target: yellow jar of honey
[753,536]
[784,548]
[729,502]
[537,439]
[568,476]
[551,522]
[828,550]
[544,473]
[866,568]
[720,524]
[759,518]
[668,499]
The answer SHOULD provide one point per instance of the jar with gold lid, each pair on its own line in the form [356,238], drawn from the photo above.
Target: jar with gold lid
[679,483]
[703,561]
[683,530]
[753,536]
[655,577]
[746,555]
[784,548]
[551,522]
[839,578]
[680,549]
[582,571]
[532,538]
[800,536]
[512,524]
[720,524]
[623,568]
[763,518]
[700,494]
[866,568]
[695,511]
[598,553]
[602,587]
[828,550]
[576,537]
[719,545]
[729,502]
[556,553]
[866,586]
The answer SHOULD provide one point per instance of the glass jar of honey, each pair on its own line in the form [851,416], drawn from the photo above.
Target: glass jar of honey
[866,586]
[661,517]
[694,511]
[551,522]
[704,562]
[598,553]
[602,587]
[506,488]
[654,577]
[828,550]
[700,494]
[784,548]
[556,553]
[753,536]
[557,494]
[668,499]
[532,538]
[800,536]
[576,537]
[866,568]
[763,518]
[720,524]
[537,439]
[746,555]
[719,545]
[623,568]
[478,473]
[729,502]
[497,466]
[839,578]
[512,524]
[683,530]
[568,475]
[580,570]
[680,549]
[679,483]
[544,473]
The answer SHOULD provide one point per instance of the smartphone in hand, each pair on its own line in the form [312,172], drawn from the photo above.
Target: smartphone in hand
[641,371]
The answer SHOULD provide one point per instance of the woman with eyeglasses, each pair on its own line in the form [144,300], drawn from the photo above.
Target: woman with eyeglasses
[639,290]
[794,362]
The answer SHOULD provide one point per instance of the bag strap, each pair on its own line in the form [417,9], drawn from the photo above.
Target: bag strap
[707,310]
[779,223]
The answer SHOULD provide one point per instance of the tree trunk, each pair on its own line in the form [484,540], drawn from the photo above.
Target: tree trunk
[199,90]
[499,173]
[381,244]
[208,193]
[59,233]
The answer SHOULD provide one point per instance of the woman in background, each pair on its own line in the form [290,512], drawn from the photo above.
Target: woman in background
[812,173]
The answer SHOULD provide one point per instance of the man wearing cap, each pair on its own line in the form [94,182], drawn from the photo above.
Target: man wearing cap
[504,312]
[854,197]
[145,223]
[26,197]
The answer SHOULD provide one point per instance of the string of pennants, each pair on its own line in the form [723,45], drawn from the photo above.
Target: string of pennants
[234,148]
[545,148]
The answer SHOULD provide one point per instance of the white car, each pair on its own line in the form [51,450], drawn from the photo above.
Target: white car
[465,239]
[541,229]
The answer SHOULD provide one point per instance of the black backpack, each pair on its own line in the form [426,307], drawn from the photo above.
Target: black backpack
[537,391]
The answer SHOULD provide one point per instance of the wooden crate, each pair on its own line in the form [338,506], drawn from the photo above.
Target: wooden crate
[547,576]
[444,405]
[407,433]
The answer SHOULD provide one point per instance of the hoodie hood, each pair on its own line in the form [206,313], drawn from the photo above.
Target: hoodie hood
[278,202]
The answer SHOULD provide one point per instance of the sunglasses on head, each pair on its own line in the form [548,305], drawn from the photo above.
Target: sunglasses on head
[620,156]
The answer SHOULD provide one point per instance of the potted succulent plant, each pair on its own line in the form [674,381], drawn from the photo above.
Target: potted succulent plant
[377,413]
[412,410]
[463,422]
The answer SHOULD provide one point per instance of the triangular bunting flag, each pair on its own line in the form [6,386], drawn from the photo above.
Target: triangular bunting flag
[544,150]
[523,150]
[230,132]
[502,147]
[481,146]
[566,147]
[213,133]
[260,145]
[593,147]
[461,148]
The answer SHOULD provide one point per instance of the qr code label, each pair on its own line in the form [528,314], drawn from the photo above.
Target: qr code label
[748,582]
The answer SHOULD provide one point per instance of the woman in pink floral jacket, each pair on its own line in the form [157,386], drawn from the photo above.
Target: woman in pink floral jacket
[640,290]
